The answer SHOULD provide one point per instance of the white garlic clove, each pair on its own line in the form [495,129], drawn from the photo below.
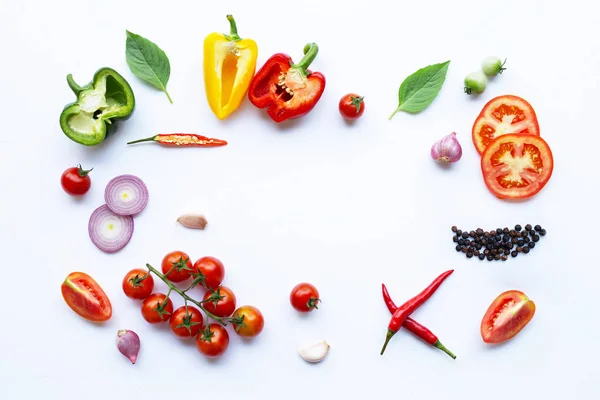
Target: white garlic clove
[315,352]
[193,221]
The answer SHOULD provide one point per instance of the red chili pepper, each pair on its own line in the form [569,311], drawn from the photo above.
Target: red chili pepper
[413,326]
[411,305]
[183,140]
[286,89]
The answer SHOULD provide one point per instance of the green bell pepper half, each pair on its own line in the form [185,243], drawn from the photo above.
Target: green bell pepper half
[107,97]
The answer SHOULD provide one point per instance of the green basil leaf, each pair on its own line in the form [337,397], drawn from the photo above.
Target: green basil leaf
[147,61]
[421,88]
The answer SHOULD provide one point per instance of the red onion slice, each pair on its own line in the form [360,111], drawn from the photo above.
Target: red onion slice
[110,232]
[126,195]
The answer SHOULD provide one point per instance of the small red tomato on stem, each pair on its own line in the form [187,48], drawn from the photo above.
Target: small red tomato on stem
[219,302]
[177,266]
[248,321]
[212,269]
[304,297]
[138,284]
[212,341]
[186,322]
[156,310]
[84,296]
[506,316]
[75,180]
[352,106]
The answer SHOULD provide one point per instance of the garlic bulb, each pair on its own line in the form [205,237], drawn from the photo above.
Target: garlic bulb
[447,149]
[315,352]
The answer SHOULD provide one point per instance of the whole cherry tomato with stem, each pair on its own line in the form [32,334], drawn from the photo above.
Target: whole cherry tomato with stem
[84,296]
[220,302]
[138,284]
[352,106]
[506,316]
[157,308]
[177,266]
[304,297]
[76,181]
[248,321]
[212,341]
[186,322]
[211,269]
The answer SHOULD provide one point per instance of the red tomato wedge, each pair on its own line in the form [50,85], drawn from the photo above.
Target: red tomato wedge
[86,297]
[506,316]
[503,115]
[516,166]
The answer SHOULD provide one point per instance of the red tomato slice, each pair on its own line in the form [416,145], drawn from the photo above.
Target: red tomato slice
[506,316]
[86,297]
[516,166]
[503,115]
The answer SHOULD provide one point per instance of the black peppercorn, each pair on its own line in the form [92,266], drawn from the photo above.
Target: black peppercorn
[518,228]
[514,253]
[506,252]
[528,227]
[481,257]
[463,249]
[486,252]
[519,249]
[487,234]
[455,239]
[521,242]
[476,253]
[458,232]
[497,257]
[461,241]
[472,234]
[535,238]
[454,229]
[490,258]
[477,240]
[527,240]
[525,249]
[510,245]
[504,258]
[478,246]
[479,231]
[531,245]
[505,239]
[458,247]
[505,230]
[484,241]
[515,240]
[498,231]
[465,235]
[512,233]
[537,228]
[543,232]
[493,252]
[469,255]
[524,234]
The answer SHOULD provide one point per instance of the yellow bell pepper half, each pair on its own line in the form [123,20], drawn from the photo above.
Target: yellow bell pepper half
[229,65]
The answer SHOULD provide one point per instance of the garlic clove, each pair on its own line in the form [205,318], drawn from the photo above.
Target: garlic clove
[193,221]
[315,352]
[128,343]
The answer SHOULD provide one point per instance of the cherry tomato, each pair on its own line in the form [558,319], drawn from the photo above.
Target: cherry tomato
[212,269]
[179,264]
[225,306]
[352,106]
[155,310]
[214,342]
[517,166]
[503,115]
[253,321]
[304,297]
[506,316]
[138,284]
[75,181]
[186,323]
[86,297]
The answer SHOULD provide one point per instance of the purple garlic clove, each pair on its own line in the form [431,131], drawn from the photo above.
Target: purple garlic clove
[128,343]
[447,149]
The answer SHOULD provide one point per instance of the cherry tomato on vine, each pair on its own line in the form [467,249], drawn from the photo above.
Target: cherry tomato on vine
[225,301]
[179,264]
[138,284]
[186,323]
[155,310]
[253,321]
[75,181]
[212,269]
[304,297]
[213,341]
[352,106]
[84,296]
[506,316]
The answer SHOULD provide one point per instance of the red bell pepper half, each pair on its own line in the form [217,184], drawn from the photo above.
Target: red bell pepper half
[285,89]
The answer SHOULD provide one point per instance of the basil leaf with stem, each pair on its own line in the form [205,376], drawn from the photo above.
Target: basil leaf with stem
[148,62]
[421,88]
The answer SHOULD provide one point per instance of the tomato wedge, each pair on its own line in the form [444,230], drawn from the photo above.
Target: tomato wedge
[503,115]
[86,297]
[516,166]
[506,316]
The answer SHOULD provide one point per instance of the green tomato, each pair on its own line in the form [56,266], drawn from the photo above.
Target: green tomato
[492,66]
[475,82]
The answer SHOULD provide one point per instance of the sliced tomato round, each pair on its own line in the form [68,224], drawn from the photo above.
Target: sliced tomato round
[504,115]
[517,166]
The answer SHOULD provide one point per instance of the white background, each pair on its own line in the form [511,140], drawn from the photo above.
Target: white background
[345,207]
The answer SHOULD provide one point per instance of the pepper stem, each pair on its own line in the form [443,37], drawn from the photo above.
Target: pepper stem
[233,33]
[388,336]
[443,348]
[310,53]
[74,87]
[152,138]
